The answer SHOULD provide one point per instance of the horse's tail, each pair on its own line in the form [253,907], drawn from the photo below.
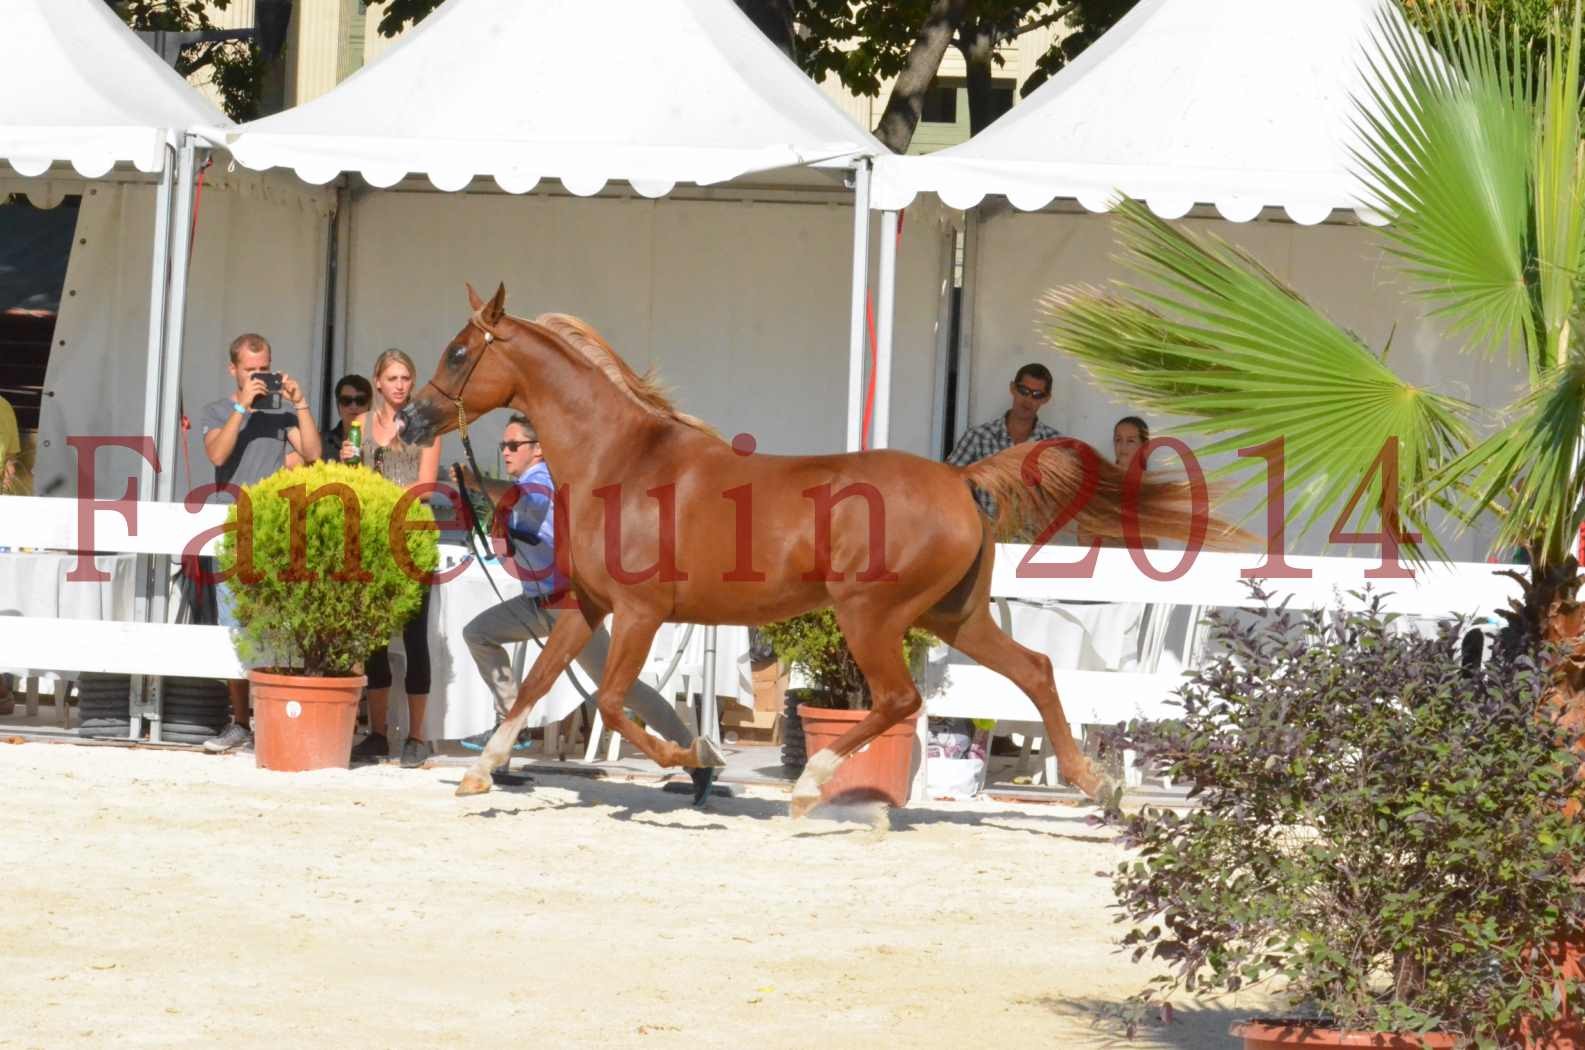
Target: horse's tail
[1034,482]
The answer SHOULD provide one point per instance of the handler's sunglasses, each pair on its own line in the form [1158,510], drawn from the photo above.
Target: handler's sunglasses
[1024,391]
[513,446]
[356,399]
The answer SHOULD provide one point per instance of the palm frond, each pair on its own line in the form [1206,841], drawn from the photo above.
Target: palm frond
[1446,156]
[1211,335]
[1559,194]
[1532,464]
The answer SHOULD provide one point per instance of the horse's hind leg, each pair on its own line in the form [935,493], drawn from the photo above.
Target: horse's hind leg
[894,696]
[977,636]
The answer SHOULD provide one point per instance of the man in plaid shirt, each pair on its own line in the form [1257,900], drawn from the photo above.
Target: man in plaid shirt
[1030,388]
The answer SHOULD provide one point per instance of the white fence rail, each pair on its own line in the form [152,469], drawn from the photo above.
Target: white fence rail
[1214,579]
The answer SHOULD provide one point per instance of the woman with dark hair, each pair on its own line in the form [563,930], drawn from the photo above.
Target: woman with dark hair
[353,395]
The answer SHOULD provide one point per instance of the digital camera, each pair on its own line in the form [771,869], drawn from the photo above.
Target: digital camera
[271,398]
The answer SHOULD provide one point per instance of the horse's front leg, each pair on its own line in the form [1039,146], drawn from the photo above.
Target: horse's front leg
[570,633]
[631,636]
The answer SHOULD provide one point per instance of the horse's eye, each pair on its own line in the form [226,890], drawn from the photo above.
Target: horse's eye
[459,352]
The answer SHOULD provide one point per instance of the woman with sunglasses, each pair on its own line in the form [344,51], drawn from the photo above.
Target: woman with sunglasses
[353,394]
[384,451]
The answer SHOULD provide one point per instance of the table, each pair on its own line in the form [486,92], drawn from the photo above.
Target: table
[35,584]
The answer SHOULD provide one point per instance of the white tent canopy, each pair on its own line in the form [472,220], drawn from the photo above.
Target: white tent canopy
[677,91]
[1240,104]
[80,87]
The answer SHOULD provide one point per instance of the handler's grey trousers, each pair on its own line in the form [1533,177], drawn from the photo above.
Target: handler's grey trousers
[489,633]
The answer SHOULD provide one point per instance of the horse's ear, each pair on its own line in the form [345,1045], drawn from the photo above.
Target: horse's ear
[497,306]
[474,302]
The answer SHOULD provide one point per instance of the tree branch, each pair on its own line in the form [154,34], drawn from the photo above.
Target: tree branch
[1056,16]
[907,100]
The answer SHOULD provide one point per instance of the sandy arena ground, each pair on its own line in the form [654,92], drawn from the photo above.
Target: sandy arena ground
[173,899]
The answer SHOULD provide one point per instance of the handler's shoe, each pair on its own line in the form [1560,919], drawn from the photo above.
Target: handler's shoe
[372,748]
[703,780]
[231,738]
[478,741]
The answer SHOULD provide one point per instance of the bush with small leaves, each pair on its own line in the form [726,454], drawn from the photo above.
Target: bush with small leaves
[1377,825]
[332,560]
[812,644]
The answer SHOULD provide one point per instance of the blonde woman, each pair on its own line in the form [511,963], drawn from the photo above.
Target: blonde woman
[384,451]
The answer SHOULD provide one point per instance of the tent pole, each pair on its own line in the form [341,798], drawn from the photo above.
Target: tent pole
[884,307]
[150,600]
[856,329]
[176,316]
[158,286]
[147,699]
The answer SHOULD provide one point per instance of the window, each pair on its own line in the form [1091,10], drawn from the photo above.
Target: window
[941,104]
[1001,98]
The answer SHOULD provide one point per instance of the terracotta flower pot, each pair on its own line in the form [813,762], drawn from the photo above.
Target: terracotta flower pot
[1289,1035]
[1566,1033]
[303,723]
[880,770]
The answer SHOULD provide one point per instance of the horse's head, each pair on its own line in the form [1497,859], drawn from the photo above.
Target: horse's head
[468,373]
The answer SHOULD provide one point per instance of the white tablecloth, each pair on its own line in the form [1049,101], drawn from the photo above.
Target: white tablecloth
[36,585]
[459,703]
[1113,636]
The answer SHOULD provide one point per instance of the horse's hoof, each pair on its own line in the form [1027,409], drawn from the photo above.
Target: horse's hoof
[473,784]
[801,805]
[1110,798]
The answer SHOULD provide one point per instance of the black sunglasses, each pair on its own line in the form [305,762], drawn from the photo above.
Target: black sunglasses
[513,446]
[355,399]
[1038,395]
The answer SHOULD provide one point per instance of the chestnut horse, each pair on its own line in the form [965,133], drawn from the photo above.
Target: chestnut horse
[671,523]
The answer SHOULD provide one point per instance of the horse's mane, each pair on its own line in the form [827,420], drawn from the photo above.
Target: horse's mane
[646,390]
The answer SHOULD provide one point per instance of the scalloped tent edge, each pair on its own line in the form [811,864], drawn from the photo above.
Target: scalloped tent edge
[1238,105]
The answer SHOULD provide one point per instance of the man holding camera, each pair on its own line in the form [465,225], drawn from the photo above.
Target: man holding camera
[247,436]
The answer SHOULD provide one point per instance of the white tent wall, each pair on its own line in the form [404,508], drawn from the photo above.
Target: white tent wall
[740,305]
[258,265]
[1340,269]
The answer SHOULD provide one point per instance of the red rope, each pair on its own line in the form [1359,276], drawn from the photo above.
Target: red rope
[869,317]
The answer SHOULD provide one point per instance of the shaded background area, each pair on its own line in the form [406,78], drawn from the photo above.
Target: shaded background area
[35,245]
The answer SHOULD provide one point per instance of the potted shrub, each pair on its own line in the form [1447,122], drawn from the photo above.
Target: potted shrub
[314,595]
[836,697]
[1379,827]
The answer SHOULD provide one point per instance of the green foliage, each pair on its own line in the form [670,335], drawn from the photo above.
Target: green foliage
[1209,333]
[309,610]
[882,33]
[1086,21]
[237,67]
[1377,826]
[1530,20]
[812,644]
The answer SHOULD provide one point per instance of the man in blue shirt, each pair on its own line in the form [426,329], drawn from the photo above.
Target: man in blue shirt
[532,525]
